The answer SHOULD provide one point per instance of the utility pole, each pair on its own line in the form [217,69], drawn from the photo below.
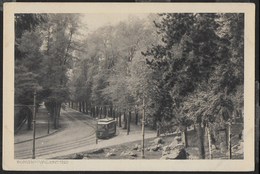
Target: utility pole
[49,123]
[96,133]
[229,140]
[143,121]
[34,123]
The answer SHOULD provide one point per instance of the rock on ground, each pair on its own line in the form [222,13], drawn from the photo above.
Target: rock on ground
[166,150]
[139,147]
[112,150]
[135,147]
[158,140]
[193,152]
[176,141]
[213,147]
[110,154]
[128,153]
[223,147]
[171,155]
[182,154]
[77,156]
[156,147]
[176,154]
[98,151]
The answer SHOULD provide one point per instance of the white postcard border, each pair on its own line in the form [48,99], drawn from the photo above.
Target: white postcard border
[9,163]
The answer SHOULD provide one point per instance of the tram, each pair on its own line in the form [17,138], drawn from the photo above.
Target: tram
[106,128]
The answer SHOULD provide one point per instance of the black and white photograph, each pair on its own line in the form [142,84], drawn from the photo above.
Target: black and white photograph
[131,86]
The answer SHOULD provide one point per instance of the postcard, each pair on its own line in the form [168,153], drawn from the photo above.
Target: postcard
[129,86]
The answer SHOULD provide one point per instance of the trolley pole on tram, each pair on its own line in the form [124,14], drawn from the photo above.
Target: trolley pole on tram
[34,123]
[143,121]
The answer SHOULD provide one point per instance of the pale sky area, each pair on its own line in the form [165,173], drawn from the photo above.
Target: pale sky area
[94,21]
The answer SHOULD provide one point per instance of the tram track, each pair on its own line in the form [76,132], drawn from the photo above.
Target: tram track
[47,151]
[77,118]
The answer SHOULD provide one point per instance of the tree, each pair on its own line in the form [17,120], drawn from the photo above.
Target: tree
[60,39]
[45,51]
[27,56]
[192,54]
[27,59]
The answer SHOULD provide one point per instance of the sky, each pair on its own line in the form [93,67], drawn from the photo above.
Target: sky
[94,21]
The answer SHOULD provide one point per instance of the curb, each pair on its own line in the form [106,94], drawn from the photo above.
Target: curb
[37,137]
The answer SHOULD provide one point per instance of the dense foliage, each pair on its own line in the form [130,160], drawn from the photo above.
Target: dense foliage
[202,61]
[188,68]
[44,53]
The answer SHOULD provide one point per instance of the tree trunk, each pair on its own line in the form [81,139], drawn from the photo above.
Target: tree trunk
[80,109]
[201,142]
[29,120]
[128,122]
[157,129]
[101,114]
[86,107]
[119,119]
[143,130]
[209,141]
[125,121]
[94,112]
[229,141]
[97,111]
[83,106]
[194,126]
[114,114]
[185,137]
[55,116]
[136,117]
[58,120]
[105,111]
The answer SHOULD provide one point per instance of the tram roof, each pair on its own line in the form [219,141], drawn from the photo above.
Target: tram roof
[106,120]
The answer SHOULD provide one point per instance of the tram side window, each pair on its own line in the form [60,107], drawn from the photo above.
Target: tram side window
[111,125]
[101,126]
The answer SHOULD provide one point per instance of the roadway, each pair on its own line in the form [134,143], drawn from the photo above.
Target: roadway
[77,130]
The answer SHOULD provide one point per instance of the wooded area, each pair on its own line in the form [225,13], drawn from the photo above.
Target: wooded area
[188,68]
